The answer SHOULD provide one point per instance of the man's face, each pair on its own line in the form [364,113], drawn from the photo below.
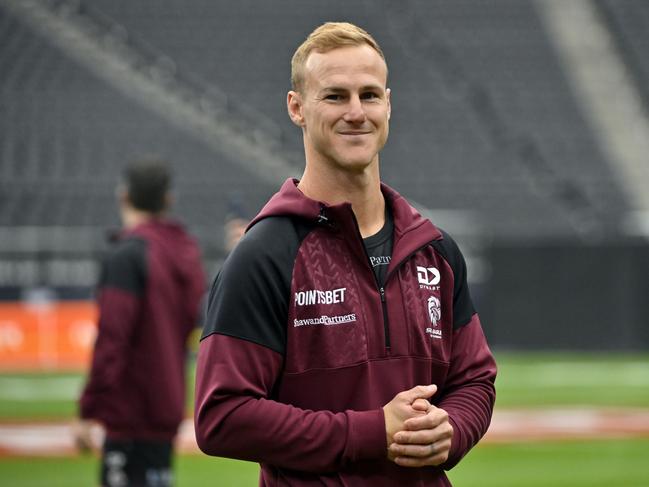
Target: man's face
[344,107]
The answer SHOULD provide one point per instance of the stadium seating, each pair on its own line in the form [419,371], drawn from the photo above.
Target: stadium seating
[484,119]
[627,21]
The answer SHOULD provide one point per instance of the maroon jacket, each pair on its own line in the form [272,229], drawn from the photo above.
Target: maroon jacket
[302,349]
[149,294]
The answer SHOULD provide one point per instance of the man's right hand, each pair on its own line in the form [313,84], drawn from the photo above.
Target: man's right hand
[399,409]
[85,435]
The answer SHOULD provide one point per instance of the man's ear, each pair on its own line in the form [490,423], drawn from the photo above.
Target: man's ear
[121,195]
[387,96]
[294,106]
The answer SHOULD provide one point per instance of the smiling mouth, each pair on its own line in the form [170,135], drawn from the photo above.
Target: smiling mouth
[354,133]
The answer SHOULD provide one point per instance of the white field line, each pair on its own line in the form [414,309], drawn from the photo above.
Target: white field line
[573,375]
[40,388]
[508,426]
[543,424]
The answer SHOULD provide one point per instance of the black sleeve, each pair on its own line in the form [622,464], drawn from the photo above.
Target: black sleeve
[463,308]
[124,267]
[249,298]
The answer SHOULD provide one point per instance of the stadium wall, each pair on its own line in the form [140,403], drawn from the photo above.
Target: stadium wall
[565,295]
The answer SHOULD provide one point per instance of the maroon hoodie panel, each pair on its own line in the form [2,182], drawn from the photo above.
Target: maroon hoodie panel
[149,299]
[235,418]
[289,201]
[110,358]
[299,445]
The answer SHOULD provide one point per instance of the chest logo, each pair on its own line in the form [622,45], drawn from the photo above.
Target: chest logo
[428,276]
[434,310]
[435,315]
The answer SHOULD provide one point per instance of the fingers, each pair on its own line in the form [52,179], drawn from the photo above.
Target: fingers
[433,418]
[420,455]
[420,451]
[432,460]
[418,392]
[421,405]
[425,441]
[426,436]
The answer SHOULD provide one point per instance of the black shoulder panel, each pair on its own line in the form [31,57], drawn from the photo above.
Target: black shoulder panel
[249,298]
[463,308]
[124,267]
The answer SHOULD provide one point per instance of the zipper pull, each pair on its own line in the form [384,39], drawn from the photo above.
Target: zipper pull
[322,218]
[382,291]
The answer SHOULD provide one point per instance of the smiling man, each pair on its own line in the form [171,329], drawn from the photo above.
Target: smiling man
[322,358]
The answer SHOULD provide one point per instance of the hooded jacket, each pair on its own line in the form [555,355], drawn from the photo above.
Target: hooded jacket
[149,294]
[302,348]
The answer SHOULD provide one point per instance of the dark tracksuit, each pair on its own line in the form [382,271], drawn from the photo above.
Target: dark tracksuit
[301,348]
[149,294]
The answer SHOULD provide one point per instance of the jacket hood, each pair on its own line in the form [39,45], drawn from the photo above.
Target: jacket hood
[290,201]
[173,240]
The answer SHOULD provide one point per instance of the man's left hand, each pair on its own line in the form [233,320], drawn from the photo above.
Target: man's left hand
[426,440]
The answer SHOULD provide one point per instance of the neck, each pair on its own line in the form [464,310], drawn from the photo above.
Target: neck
[362,190]
[132,217]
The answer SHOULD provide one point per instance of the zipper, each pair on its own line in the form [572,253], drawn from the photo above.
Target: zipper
[381,289]
[384,305]
[386,325]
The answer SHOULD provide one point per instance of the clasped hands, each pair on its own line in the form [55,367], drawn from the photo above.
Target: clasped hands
[418,433]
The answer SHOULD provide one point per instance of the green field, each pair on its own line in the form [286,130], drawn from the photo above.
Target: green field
[525,380]
[566,464]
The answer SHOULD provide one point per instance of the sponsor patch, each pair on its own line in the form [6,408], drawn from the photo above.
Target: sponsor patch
[428,278]
[326,320]
[316,296]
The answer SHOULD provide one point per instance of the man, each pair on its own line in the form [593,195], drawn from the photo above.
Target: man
[149,294]
[322,357]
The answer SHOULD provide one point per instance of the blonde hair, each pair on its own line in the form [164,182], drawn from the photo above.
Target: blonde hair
[328,36]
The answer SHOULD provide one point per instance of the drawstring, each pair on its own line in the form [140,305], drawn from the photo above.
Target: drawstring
[322,219]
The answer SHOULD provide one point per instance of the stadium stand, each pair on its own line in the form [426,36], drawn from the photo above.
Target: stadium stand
[627,20]
[486,127]
[500,133]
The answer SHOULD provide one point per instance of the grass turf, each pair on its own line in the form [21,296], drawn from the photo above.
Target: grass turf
[602,463]
[572,379]
[82,471]
[524,380]
[621,463]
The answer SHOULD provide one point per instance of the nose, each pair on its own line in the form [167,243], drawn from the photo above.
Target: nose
[355,112]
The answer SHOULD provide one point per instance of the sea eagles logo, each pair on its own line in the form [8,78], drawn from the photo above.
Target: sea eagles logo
[434,310]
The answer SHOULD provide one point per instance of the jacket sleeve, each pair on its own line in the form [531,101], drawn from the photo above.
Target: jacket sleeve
[121,286]
[469,393]
[240,362]
[235,416]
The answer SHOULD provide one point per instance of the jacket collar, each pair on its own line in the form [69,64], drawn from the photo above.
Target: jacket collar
[411,230]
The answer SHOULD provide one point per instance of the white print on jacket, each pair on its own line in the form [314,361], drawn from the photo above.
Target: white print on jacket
[315,296]
[428,278]
[435,314]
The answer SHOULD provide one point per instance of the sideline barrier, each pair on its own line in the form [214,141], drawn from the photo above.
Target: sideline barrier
[47,335]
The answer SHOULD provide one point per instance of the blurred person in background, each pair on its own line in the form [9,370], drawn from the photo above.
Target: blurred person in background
[236,221]
[149,292]
[341,345]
